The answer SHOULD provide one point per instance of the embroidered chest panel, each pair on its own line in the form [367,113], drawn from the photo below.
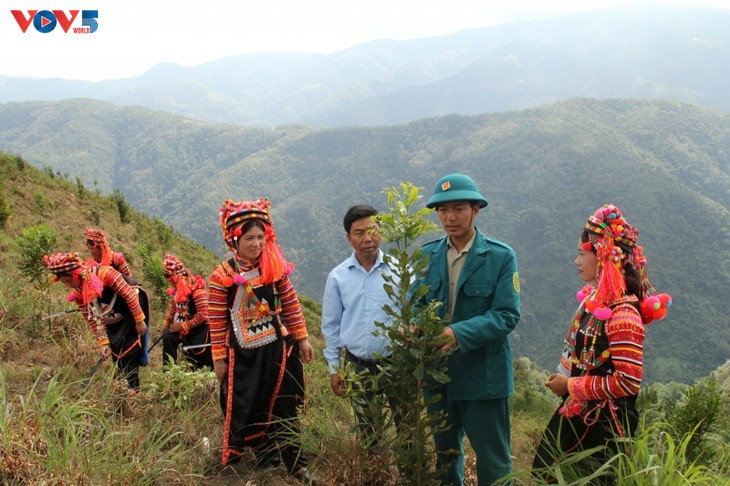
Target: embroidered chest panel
[254,312]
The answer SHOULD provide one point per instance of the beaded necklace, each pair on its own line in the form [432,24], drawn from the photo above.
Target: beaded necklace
[588,360]
[247,275]
[246,268]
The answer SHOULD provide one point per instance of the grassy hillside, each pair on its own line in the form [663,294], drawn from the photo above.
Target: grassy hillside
[543,171]
[105,437]
[54,429]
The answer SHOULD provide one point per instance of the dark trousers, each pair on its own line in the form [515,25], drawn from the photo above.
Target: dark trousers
[198,358]
[128,367]
[487,425]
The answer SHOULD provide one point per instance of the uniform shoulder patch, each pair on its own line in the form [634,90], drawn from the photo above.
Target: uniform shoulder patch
[516,282]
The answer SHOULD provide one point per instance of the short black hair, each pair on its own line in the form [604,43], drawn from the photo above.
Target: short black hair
[356,212]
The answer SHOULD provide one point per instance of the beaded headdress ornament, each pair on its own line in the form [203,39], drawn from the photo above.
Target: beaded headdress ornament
[232,217]
[183,283]
[63,262]
[98,237]
[614,241]
[71,263]
[95,235]
[172,265]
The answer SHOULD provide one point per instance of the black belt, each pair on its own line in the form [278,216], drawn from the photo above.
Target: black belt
[368,363]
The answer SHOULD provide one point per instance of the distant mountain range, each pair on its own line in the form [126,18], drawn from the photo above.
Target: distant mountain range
[648,52]
[543,171]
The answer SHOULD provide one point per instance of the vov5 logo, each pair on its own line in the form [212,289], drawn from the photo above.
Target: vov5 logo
[45,21]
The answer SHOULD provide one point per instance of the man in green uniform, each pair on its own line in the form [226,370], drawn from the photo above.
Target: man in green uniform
[476,279]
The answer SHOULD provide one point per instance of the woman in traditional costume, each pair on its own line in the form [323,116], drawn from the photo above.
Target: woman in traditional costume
[111,306]
[600,371]
[259,340]
[186,321]
[102,254]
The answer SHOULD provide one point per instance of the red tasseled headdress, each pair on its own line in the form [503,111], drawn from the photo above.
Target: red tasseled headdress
[98,237]
[614,241]
[272,264]
[91,286]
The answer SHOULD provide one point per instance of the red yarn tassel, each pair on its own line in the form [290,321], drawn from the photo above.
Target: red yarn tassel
[272,263]
[91,286]
[182,289]
[611,283]
[106,255]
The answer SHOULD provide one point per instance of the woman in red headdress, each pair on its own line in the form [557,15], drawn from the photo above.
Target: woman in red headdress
[112,308]
[102,254]
[186,321]
[600,371]
[259,340]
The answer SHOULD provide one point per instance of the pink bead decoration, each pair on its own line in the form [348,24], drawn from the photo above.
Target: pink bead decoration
[603,313]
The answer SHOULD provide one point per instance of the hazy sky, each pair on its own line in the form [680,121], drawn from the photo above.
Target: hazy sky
[134,35]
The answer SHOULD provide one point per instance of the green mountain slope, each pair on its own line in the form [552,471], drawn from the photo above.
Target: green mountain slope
[651,51]
[30,197]
[543,170]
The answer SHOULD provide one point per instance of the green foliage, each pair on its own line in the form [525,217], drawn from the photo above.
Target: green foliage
[80,189]
[693,412]
[117,197]
[658,458]
[43,203]
[694,416]
[20,163]
[95,216]
[152,268]
[6,210]
[34,243]
[413,371]
[531,396]
[179,387]
[54,436]
[654,457]
[163,231]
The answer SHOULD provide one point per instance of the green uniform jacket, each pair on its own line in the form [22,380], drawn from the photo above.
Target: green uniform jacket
[487,310]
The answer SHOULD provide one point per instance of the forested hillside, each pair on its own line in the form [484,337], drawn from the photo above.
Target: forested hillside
[543,171]
[649,51]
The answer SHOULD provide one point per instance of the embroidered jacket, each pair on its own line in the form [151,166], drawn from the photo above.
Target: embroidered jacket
[118,263]
[612,366]
[111,279]
[200,301]
[291,314]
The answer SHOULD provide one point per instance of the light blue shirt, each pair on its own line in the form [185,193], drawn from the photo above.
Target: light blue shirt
[352,303]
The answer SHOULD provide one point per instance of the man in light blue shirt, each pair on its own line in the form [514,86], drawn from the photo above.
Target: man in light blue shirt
[353,301]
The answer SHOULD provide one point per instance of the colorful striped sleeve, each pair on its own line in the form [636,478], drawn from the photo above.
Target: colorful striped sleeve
[200,297]
[625,332]
[121,264]
[292,315]
[112,279]
[170,315]
[218,314]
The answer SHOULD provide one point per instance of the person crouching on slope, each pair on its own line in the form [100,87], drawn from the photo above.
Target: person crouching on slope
[111,307]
